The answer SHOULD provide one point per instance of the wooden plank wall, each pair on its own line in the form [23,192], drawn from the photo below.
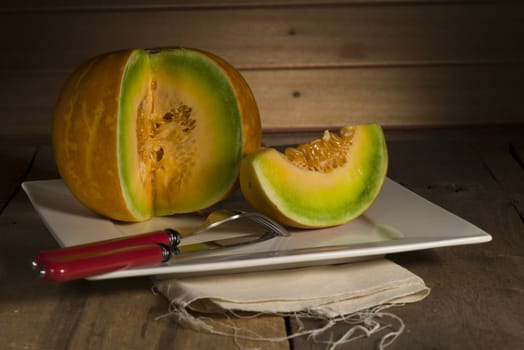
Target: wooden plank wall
[311,64]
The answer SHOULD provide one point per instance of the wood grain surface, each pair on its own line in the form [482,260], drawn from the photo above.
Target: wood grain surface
[311,64]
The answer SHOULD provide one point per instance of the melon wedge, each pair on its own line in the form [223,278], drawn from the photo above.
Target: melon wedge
[326,182]
[143,133]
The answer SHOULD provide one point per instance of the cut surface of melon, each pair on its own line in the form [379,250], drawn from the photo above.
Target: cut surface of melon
[188,126]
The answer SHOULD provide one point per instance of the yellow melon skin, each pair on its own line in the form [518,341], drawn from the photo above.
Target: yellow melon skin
[86,136]
[84,133]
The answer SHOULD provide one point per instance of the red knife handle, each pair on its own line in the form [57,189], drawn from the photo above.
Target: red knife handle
[64,270]
[168,237]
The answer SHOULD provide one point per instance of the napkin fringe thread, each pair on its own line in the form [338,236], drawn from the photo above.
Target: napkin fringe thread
[363,323]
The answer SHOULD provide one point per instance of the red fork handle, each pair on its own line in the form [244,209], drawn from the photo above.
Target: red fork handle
[167,237]
[64,270]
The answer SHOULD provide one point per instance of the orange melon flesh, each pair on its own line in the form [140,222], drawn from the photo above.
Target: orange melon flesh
[143,133]
[327,182]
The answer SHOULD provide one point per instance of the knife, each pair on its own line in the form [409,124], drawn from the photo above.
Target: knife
[167,237]
[84,261]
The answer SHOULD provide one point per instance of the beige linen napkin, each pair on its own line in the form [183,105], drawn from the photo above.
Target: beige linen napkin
[331,292]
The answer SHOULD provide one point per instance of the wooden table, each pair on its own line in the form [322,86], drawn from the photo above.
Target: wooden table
[445,79]
[476,293]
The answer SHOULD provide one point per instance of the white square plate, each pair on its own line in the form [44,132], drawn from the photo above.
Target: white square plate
[398,221]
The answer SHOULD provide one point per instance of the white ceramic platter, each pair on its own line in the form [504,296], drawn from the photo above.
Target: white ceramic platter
[398,221]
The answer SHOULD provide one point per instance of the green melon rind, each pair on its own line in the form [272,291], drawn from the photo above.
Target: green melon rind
[326,202]
[215,90]
[133,88]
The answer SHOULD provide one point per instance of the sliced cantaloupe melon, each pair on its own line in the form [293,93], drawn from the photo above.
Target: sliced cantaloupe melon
[141,133]
[326,182]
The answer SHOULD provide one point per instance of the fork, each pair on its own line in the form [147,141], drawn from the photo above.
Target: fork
[168,238]
[222,216]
